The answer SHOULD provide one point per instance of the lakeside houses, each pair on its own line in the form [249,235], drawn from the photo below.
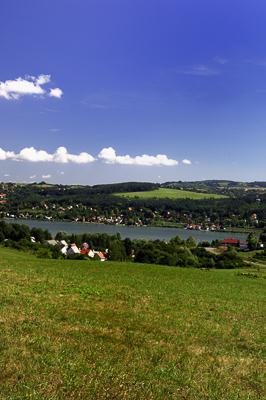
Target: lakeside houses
[205,227]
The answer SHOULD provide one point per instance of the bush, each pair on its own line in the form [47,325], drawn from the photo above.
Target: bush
[229,260]
[43,252]
[77,257]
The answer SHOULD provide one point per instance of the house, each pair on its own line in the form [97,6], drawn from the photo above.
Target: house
[87,252]
[241,244]
[52,242]
[100,255]
[61,243]
[230,242]
[84,251]
[91,253]
[70,250]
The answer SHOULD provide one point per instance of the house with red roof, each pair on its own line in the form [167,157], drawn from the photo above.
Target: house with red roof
[241,244]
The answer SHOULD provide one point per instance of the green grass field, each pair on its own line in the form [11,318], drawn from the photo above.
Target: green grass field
[173,194]
[88,330]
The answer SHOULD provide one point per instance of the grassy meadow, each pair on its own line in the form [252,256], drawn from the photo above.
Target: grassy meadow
[173,194]
[90,330]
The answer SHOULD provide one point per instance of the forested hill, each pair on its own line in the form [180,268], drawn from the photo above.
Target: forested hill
[216,186]
[205,203]
[207,186]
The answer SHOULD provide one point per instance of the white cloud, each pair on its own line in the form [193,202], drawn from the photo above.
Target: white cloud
[6,175]
[56,92]
[32,176]
[108,155]
[33,155]
[30,85]
[5,155]
[199,70]
[48,176]
[61,155]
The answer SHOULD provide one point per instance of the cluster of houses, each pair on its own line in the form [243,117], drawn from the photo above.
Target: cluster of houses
[70,249]
[201,227]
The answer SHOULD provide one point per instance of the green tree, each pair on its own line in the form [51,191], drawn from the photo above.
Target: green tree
[253,241]
[191,242]
[117,251]
[263,236]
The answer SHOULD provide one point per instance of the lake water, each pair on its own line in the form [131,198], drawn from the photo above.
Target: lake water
[132,232]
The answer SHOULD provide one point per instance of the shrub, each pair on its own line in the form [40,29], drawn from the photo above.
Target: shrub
[43,252]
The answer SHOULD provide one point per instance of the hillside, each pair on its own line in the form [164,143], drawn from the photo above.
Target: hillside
[173,194]
[75,329]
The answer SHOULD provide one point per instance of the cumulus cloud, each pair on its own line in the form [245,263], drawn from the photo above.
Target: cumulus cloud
[28,86]
[61,155]
[48,176]
[5,155]
[33,155]
[108,155]
[56,92]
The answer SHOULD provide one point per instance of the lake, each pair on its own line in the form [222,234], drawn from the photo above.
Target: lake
[132,232]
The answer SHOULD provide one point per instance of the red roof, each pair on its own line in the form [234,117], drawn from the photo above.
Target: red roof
[84,251]
[230,241]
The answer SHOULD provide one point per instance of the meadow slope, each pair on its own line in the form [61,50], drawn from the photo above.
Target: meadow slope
[88,330]
[173,194]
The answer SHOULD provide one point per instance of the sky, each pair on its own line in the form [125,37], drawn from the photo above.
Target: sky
[101,91]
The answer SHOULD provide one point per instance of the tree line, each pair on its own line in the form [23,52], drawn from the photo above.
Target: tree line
[176,252]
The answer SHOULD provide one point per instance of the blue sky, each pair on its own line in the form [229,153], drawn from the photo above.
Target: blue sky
[146,90]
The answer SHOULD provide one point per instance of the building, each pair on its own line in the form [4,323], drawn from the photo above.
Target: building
[241,244]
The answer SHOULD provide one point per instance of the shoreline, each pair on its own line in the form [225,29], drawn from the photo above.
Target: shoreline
[178,226]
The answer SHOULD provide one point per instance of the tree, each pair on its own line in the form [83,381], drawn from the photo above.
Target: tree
[176,241]
[117,251]
[253,241]
[61,236]
[128,246]
[191,242]
[263,236]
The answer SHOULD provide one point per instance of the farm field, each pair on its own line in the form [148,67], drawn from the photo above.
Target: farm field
[173,194]
[90,330]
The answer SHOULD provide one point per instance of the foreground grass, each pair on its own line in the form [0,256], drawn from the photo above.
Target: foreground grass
[173,194]
[85,330]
